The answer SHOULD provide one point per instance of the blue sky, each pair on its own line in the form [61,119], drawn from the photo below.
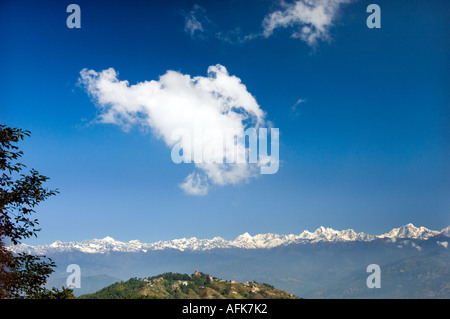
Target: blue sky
[366,148]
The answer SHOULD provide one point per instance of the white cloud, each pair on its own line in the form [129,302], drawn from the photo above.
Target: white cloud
[195,184]
[310,18]
[294,108]
[416,246]
[194,22]
[199,26]
[192,25]
[218,101]
[443,243]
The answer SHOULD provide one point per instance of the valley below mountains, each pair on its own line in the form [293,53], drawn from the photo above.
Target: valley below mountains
[414,261]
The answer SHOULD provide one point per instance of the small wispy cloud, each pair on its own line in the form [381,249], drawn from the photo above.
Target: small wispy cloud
[195,21]
[310,20]
[294,108]
[195,184]
[198,26]
[236,36]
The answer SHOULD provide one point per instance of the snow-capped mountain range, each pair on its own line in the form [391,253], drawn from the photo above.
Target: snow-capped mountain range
[245,241]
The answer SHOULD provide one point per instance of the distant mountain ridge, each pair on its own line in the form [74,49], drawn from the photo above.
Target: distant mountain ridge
[245,241]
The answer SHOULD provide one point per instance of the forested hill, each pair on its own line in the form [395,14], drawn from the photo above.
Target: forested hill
[183,286]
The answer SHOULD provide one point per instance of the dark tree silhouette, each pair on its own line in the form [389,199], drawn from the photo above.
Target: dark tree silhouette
[21,275]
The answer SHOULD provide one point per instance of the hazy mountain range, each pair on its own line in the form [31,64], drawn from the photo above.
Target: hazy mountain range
[326,263]
[246,241]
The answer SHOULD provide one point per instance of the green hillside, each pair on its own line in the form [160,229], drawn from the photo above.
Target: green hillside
[183,286]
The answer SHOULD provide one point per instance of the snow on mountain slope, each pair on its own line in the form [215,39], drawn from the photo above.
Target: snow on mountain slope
[446,231]
[410,231]
[329,234]
[245,241]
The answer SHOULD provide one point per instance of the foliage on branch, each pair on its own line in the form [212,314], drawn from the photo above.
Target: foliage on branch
[21,275]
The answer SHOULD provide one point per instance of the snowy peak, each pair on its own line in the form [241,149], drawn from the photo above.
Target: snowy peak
[329,234]
[410,231]
[260,240]
[245,241]
[244,237]
[108,239]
